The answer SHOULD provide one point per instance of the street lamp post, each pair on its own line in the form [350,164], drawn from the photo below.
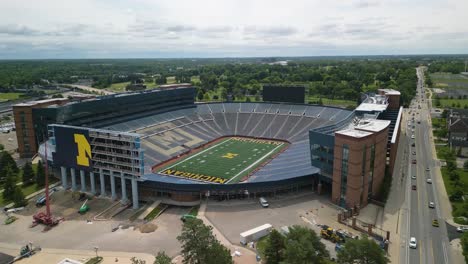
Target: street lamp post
[96,248]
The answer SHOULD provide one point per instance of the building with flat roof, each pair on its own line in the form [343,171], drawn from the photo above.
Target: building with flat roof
[457,124]
[25,127]
[353,154]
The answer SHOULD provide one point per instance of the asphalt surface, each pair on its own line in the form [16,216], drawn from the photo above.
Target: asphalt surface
[432,241]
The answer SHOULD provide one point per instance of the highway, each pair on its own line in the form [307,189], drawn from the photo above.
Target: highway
[417,220]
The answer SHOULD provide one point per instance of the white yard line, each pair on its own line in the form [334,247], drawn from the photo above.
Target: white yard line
[251,165]
[201,152]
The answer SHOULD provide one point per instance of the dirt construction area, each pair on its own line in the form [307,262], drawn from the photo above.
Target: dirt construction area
[82,232]
[119,234]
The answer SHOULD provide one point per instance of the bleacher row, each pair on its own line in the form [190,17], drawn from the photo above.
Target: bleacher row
[169,134]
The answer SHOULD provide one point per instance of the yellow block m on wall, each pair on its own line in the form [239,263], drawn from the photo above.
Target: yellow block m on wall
[84,150]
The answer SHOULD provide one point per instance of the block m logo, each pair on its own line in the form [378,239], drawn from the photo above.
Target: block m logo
[84,150]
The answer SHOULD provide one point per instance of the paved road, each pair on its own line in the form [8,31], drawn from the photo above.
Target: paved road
[432,241]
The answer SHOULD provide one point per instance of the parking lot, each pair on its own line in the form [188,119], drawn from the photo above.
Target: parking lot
[234,217]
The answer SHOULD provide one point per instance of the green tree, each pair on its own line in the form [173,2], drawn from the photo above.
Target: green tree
[465,165]
[6,160]
[274,248]
[18,197]
[134,260]
[40,175]
[162,258]
[464,243]
[200,95]
[28,173]
[304,246]
[199,245]
[9,185]
[2,147]
[362,251]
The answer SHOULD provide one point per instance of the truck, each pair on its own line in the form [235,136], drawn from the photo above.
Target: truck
[255,233]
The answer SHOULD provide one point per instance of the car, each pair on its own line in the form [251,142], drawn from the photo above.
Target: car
[414,161]
[419,122]
[413,243]
[413,187]
[413,145]
[412,136]
[414,152]
[429,181]
[431,205]
[462,229]
[413,177]
[427,169]
[435,223]
[263,202]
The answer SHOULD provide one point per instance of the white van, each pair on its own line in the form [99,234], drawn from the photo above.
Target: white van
[263,202]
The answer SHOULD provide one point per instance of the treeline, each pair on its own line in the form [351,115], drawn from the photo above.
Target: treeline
[330,78]
[454,67]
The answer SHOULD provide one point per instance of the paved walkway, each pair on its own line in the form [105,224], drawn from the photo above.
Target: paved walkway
[52,255]
[35,193]
[247,256]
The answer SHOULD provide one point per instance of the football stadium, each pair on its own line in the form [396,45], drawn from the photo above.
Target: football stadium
[161,142]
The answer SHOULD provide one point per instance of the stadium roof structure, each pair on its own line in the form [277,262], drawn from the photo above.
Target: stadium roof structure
[373,103]
[364,127]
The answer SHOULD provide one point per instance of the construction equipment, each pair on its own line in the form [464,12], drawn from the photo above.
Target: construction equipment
[41,201]
[84,208]
[332,235]
[26,252]
[46,218]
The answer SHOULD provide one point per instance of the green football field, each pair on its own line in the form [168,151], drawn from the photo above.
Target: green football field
[227,161]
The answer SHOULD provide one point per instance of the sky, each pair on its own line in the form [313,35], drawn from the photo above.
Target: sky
[59,29]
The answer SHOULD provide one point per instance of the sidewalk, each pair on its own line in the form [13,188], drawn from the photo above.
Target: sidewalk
[247,256]
[35,193]
[52,255]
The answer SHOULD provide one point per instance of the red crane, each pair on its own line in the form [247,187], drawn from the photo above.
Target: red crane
[46,218]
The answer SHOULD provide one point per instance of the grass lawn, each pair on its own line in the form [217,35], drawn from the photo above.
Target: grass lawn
[155,212]
[227,161]
[120,87]
[439,122]
[194,210]
[449,80]
[170,80]
[457,206]
[9,96]
[333,102]
[195,78]
[459,103]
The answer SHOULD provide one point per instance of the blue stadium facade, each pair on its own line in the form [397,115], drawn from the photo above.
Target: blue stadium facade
[169,123]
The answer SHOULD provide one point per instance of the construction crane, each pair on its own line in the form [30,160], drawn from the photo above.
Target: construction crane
[46,218]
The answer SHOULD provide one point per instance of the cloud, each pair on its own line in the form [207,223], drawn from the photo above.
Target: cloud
[366,3]
[276,31]
[180,28]
[231,27]
[20,30]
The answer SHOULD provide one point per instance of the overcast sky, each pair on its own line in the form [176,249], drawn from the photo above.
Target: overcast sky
[229,28]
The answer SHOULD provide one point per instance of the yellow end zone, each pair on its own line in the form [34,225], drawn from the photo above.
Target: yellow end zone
[193,176]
